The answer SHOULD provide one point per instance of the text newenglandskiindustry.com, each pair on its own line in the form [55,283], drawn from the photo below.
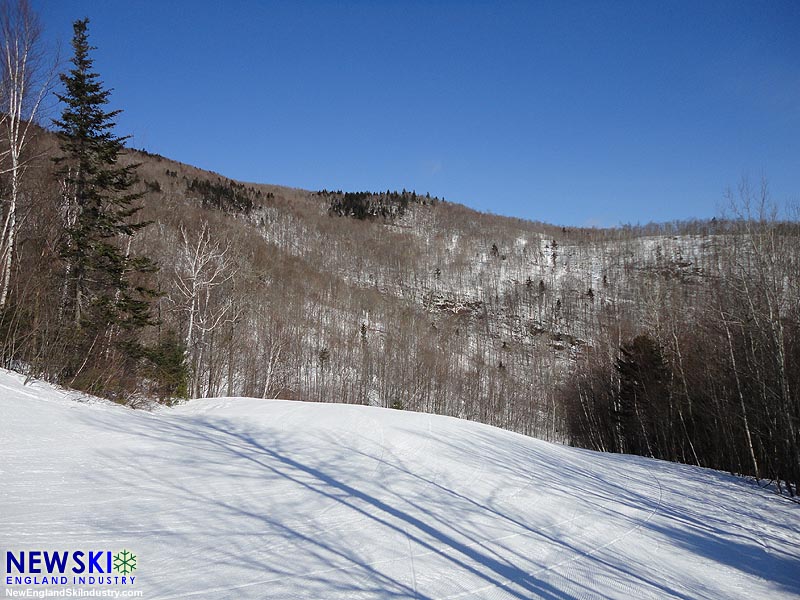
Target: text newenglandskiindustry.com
[72,593]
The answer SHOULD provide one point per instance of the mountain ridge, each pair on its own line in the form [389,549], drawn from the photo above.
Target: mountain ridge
[630,339]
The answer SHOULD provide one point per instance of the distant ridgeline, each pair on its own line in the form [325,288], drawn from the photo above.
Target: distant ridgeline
[372,205]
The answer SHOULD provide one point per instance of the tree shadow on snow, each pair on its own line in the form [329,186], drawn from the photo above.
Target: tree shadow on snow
[224,465]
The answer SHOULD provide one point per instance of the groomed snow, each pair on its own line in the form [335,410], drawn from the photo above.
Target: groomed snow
[243,498]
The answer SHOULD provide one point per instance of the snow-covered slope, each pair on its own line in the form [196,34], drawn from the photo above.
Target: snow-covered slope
[243,498]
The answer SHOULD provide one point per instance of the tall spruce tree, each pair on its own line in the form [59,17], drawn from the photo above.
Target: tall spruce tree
[106,298]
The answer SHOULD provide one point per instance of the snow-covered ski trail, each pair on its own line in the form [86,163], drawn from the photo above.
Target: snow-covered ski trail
[246,498]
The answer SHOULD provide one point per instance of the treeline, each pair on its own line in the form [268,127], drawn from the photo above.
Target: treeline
[229,195]
[370,205]
[712,381]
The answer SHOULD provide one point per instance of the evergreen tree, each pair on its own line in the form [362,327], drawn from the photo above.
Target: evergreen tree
[167,368]
[644,379]
[105,294]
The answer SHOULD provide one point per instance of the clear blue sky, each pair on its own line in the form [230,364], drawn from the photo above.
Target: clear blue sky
[572,113]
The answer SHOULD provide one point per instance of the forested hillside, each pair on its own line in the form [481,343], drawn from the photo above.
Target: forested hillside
[153,279]
[677,340]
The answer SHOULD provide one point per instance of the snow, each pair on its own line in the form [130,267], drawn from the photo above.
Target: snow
[245,498]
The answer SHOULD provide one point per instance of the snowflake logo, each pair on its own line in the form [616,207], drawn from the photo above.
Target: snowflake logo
[124,562]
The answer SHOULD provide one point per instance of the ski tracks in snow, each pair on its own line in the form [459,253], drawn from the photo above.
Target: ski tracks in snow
[290,499]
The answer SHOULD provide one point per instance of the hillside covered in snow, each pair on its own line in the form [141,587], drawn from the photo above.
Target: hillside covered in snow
[250,498]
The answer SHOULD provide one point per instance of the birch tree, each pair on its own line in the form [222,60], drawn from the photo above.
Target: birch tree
[23,86]
[203,266]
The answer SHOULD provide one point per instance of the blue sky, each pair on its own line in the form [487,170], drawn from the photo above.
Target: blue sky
[587,113]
